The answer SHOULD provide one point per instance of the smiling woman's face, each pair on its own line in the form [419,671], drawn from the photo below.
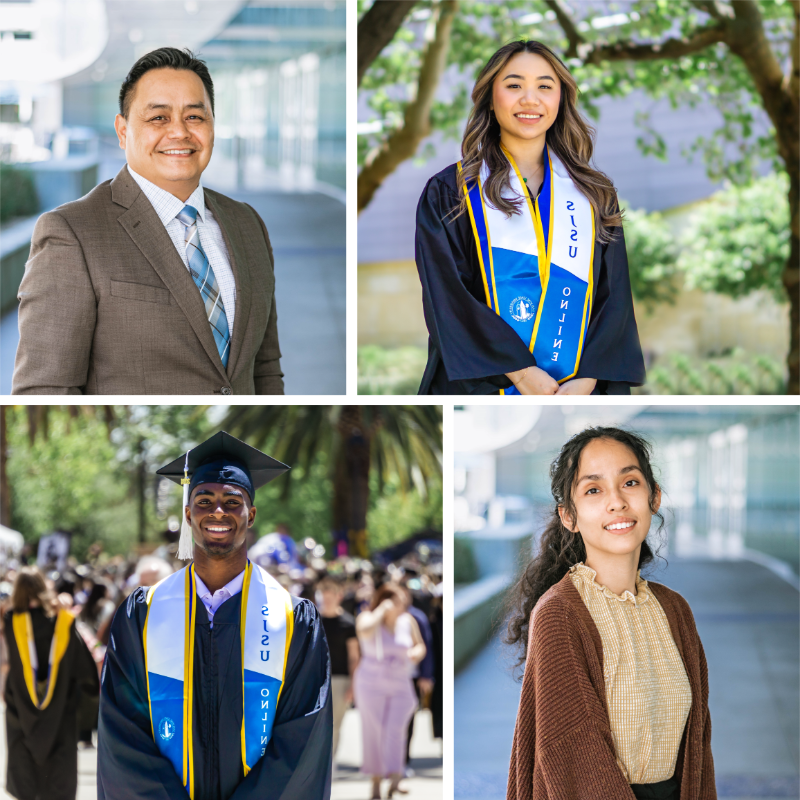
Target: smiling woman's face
[525,97]
[612,500]
[220,515]
[168,136]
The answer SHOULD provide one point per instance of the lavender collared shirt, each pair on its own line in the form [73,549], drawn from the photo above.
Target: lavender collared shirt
[213,601]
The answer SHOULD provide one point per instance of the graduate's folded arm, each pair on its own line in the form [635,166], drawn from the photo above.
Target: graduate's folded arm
[474,342]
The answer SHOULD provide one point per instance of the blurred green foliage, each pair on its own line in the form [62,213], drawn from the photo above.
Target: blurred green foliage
[396,370]
[18,196]
[736,372]
[78,469]
[735,242]
[738,241]
[713,77]
[652,254]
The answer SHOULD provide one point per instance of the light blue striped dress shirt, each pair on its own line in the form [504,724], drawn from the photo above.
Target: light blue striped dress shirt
[167,206]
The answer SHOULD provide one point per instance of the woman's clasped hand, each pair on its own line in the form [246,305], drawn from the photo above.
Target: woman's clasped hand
[533,380]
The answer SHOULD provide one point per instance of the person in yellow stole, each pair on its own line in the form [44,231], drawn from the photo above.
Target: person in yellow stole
[48,664]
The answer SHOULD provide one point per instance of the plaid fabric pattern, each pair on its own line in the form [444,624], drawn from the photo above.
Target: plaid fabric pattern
[203,276]
[647,690]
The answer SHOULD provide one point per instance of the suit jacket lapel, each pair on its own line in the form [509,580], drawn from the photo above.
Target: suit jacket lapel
[143,225]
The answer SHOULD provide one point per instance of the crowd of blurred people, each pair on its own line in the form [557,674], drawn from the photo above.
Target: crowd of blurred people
[382,619]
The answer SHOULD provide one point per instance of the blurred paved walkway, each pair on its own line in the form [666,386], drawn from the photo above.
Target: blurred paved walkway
[307,232]
[348,784]
[747,618]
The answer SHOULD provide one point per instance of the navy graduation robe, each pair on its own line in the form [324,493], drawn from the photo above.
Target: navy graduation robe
[297,763]
[470,347]
[43,745]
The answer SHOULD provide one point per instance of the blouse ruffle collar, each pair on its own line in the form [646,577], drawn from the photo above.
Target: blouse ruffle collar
[588,575]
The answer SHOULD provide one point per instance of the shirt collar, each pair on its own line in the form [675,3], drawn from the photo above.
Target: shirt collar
[232,587]
[588,575]
[166,205]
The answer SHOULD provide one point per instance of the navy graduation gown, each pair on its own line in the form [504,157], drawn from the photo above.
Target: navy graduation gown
[297,764]
[43,745]
[470,347]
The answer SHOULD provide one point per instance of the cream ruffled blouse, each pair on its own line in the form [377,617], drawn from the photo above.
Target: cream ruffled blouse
[647,691]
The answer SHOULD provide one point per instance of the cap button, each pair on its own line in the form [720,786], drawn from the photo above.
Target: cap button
[227,390]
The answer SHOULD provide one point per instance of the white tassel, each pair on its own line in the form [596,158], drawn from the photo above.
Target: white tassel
[186,542]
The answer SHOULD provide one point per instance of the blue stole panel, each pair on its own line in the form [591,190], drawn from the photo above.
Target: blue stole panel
[537,266]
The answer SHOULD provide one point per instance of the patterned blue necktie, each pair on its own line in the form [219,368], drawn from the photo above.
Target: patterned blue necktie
[203,276]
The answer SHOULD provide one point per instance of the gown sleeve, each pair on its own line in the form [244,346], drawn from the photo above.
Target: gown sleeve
[612,353]
[473,342]
[129,763]
[297,764]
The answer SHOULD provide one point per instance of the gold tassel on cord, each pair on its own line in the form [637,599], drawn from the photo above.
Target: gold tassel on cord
[186,542]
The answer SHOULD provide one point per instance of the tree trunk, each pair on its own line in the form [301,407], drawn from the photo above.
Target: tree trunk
[377,28]
[791,280]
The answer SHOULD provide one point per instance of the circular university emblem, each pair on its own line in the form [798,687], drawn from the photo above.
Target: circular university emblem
[521,309]
[166,729]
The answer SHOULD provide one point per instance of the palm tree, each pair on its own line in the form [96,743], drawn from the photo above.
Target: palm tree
[402,441]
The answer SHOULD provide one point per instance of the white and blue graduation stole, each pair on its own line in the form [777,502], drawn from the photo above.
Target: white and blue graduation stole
[537,266]
[267,623]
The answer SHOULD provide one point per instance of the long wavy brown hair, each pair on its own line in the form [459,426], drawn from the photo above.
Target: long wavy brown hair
[569,137]
[559,547]
[30,586]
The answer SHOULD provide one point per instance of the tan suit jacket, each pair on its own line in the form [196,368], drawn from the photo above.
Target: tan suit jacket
[108,307]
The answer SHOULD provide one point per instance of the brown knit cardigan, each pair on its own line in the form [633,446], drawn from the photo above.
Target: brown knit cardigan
[563,748]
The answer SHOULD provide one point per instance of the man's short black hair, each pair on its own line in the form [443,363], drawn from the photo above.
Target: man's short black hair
[157,59]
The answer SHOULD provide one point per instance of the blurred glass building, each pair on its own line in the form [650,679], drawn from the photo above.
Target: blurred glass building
[278,68]
[730,474]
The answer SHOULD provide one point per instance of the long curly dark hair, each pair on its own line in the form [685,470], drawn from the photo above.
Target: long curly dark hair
[570,137]
[561,548]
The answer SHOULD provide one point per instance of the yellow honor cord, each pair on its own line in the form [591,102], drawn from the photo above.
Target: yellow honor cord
[188,681]
[248,571]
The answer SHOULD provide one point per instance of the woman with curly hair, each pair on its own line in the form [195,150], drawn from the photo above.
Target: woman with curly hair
[614,700]
[520,248]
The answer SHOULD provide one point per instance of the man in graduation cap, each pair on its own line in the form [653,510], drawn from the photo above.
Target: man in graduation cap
[216,680]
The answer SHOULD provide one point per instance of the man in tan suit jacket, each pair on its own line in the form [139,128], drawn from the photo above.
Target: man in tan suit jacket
[108,304]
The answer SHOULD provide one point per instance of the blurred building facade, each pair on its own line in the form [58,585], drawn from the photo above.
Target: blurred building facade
[277,65]
[729,474]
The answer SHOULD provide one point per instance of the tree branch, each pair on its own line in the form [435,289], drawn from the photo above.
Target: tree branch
[570,31]
[402,143]
[653,51]
[377,28]
[713,9]
[750,43]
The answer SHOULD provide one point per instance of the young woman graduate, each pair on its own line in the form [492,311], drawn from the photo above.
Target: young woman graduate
[217,681]
[520,248]
[48,664]
[614,701]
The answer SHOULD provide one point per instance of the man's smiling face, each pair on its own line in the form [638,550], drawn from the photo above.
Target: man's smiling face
[168,136]
[219,515]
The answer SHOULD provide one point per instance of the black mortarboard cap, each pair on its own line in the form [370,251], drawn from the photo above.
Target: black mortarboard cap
[221,459]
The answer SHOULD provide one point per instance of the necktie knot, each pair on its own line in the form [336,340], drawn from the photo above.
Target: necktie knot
[188,215]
